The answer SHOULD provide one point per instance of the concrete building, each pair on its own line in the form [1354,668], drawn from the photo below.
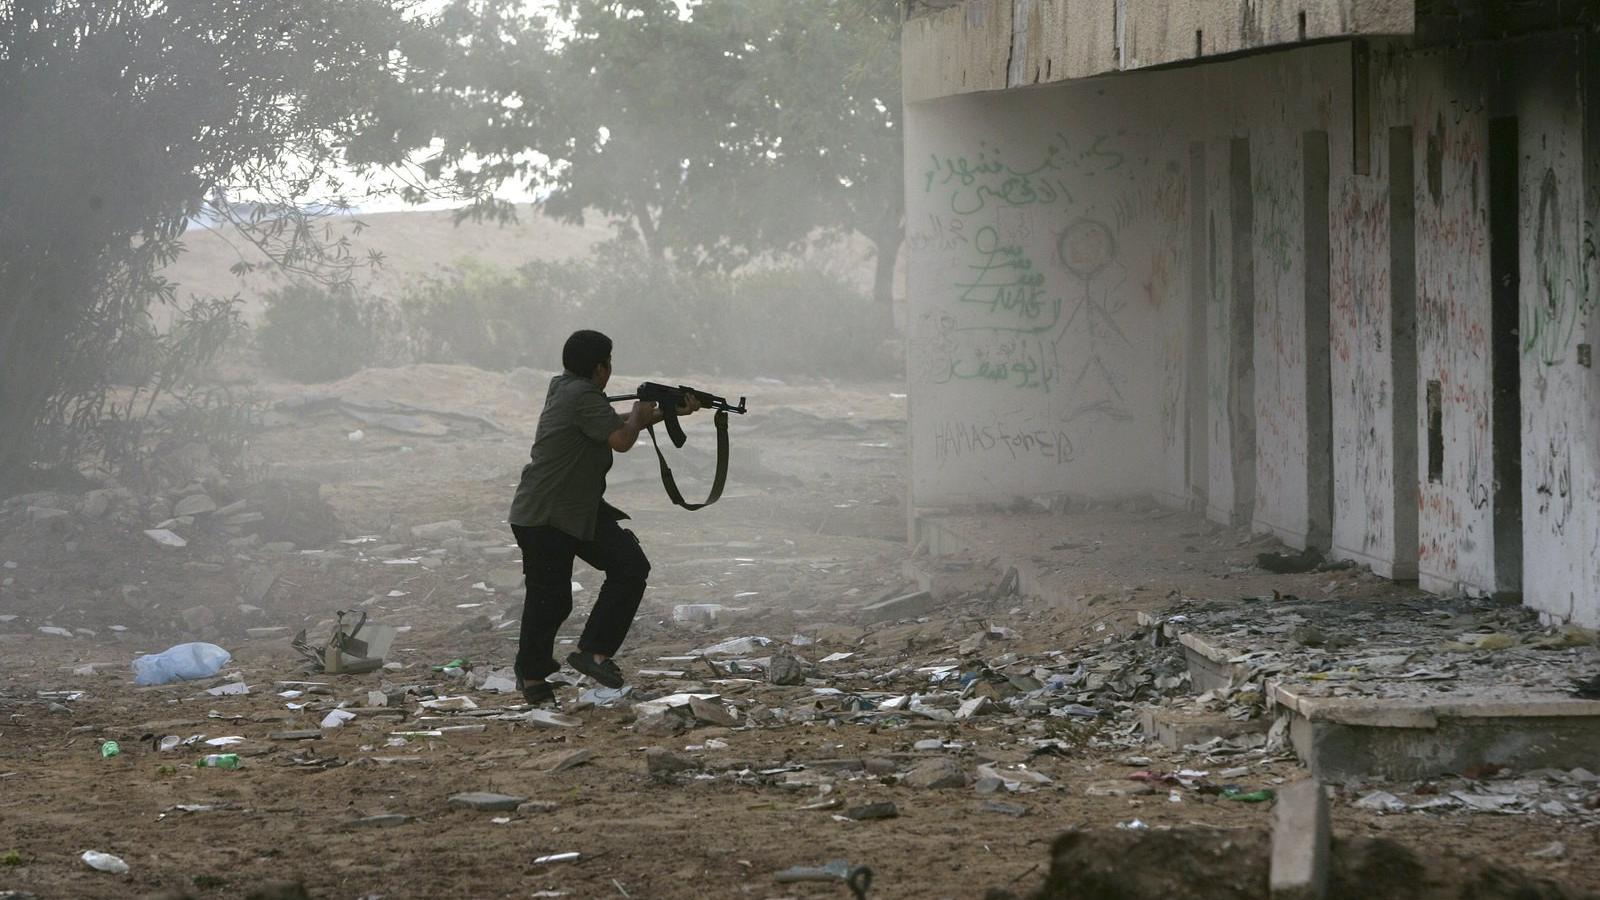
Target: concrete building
[1325,268]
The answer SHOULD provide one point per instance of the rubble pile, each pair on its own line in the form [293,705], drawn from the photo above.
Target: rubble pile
[1413,648]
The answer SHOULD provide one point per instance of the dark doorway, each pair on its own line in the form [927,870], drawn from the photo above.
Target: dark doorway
[1319,359]
[1403,331]
[1505,360]
[1197,434]
[1242,333]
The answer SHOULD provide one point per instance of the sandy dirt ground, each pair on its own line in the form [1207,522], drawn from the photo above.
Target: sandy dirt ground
[812,528]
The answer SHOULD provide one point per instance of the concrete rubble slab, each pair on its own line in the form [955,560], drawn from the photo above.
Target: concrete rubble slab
[1302,842]
[1424,689]
[1177,728]
[485,801]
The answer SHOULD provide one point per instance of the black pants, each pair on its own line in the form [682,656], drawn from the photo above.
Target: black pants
[547,555]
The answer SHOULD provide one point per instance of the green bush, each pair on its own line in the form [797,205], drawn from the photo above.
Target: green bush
[804,321]
[478,315]
[311,332]
[778,322]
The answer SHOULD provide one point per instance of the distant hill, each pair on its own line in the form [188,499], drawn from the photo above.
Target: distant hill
[412,243]
[426,242]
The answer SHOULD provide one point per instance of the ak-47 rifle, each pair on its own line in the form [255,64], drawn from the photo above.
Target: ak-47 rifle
[668,399]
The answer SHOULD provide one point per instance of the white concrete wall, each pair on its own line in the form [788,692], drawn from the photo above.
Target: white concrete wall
[1076,381]
[1450,106]
[1050,235]
[1367,499]
[1560,407]
[1220,312]
[1312,92]
[1046,250]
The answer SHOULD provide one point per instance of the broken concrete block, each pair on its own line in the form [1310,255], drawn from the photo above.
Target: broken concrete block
[95,504]
[290,510]
[198,618]
[935,774]
[660,724]
[977,706]
[785,669]
[1301,841]
[234,508]
[880,765]
[259,585]
[901,607]
[505,579]
[1176,728]
[885,810]
[563,760]
[1015,810]
[503,682]
[543,717]
[438,531]
[712,712]
[660,761]
[388,820]
[1117,789]
[39,515]
[484,801]
[166,538]
[194,505]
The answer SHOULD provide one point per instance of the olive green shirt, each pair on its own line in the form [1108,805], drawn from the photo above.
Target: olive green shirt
[571,455]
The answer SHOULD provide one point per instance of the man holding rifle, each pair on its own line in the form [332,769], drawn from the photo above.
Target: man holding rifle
[559,513]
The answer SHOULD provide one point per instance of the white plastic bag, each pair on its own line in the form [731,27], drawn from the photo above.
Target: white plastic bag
[180,663]
[104,862]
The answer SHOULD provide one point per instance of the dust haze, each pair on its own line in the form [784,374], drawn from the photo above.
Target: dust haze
[284,289]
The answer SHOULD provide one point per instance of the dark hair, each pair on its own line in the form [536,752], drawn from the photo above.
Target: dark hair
[584,351]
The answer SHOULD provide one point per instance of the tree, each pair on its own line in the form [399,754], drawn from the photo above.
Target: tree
[741,128]
[830,76]
[126,118]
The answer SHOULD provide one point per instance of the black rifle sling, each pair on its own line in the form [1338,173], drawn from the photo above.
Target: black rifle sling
[721,478]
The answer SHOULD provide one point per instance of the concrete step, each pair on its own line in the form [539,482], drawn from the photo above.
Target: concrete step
[1412,734]
[1407,739]
[1176,728]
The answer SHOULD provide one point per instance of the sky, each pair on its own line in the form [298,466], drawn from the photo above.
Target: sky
[385,185]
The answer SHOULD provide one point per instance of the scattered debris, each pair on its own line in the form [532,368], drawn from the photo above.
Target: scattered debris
[785,669]
[1306,560]
[572,856]
[104,862]
[484,801]
[562,760]
[351,649]
[870,811]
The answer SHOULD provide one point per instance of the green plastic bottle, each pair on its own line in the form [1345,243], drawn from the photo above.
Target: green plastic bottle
[219,761]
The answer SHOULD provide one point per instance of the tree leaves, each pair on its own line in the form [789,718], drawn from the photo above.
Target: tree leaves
[746,127]
[125,120]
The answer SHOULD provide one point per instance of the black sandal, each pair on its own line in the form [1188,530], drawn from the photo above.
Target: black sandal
[536,693]
[606,673]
